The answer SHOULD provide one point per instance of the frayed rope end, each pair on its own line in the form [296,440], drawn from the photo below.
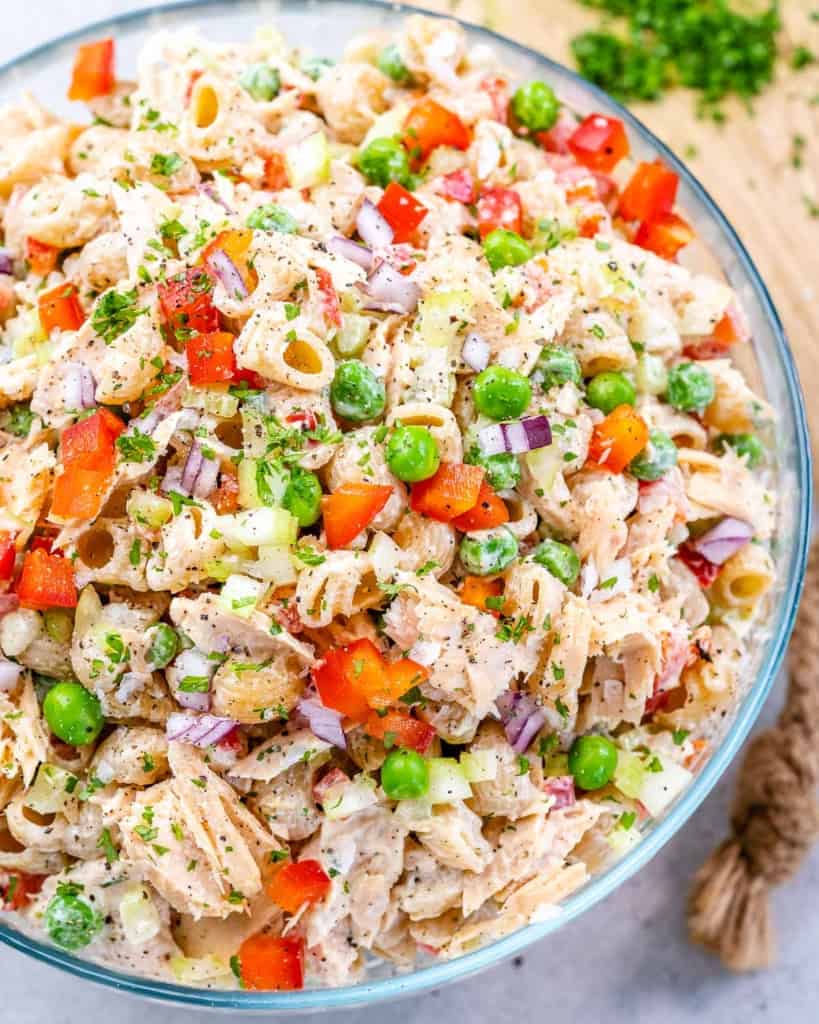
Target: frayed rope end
[728,910]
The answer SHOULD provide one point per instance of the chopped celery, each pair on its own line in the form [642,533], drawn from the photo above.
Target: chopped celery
[139,916]
[308,162]
[545,464]
[274,565]
[441,315]
[271,526]
[220,568]
[59,624]
[240,594]
[190,971]
[346,798]
[556,764]
[479,765]
[387,125]
[149,509]
[447,781]
[629,774]
[51,790]
[660,788]
[261,483]
[352,338]
[25,333]
[217,403]
[651,376]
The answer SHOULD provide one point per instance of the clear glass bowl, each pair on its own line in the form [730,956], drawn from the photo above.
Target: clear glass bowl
[45,72]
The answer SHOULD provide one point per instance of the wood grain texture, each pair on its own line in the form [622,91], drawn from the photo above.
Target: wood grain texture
[747,163]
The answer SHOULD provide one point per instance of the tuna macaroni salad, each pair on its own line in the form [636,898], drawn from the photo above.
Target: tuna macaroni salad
[382,515]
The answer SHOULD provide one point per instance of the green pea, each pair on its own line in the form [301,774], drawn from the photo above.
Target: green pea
[488,552]
[356,394]
[315,67]
[556,366]
[592,761]
[502,470]
[164,645]
[272,218]
[404,775]
[504,248]
[261,81]
[747,445]
[536,106]
[412,453]
[690,387]
[561,560]
[302,497]
[608,390]
[501,393]
[384,160]
[73,713]
[71,922]
[390,63]
[655,460]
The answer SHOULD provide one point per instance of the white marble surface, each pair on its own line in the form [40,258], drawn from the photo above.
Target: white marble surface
[628,960]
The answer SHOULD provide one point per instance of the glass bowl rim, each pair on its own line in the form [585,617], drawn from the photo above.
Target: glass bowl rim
[418,981]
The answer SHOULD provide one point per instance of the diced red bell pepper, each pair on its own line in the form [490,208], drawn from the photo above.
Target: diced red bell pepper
[272,964]
[497,89]
[17,888]
[400,729]
[489,511]
[93,73]
[350,509]
[458,185]
[345,675]
[617,439]
[651,192]
[211,359]
[60,308]
[476,590]
[402,211]
[295,884]
[8,554]
[428,126]
[79,493]
[42,258]
[599,142]
[275,173]
[47,581]
[304,419]
[186,300]
[453,490]
[330,305]
[664,236]
[556,140]
[89,444]
[705,571]
[499,208]
[402,675]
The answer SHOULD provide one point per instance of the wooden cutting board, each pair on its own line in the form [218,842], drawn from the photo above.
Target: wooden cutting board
[747,164]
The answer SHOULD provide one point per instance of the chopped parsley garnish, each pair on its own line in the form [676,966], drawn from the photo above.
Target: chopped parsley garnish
[106,844]
[166,164]
[115,313]
[308,555]
[195,684]
[680,736]
[136,447]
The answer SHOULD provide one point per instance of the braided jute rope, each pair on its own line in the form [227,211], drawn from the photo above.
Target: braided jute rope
[775,817]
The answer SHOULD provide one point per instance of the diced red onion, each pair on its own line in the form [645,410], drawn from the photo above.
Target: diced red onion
[190,471]
[172,481]
[373,226]
[617,580]
[207,479]
[561,787]
[476,352]
[10,673]
[198,730]
[388,291]
[209,189]
[522,718]
[589,578]
[194,701]
[723,540]
[6,262]
[324,722]
[8,603]
[350,250]
[425,652]
[80,387]
[516,437]
[227,273]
